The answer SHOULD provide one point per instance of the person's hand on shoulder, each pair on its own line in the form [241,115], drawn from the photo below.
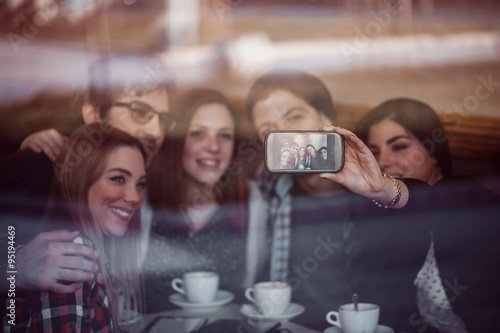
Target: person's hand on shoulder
[51,259]
[361,173]
[48,141]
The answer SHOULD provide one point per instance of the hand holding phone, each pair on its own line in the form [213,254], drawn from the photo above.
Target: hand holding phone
[304,152]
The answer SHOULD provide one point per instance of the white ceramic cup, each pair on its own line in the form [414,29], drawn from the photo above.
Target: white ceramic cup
[198,287]
[365,320]
[271,298]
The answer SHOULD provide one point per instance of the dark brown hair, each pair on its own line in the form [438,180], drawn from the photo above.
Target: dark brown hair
[303,85]
[112,76]
[419,119]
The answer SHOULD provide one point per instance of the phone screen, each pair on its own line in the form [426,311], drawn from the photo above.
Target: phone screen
[304,151]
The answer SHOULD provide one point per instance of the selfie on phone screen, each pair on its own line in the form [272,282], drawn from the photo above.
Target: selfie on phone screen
[304,152]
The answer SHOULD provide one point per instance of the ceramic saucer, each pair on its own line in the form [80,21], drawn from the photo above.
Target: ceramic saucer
[221,298]
[378,329]
[251,312]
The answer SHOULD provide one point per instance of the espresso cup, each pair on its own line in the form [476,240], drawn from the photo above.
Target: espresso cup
[198,287]
[365,319]
[271,298]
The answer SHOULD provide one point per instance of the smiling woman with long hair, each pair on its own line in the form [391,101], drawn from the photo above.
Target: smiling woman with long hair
[199,195]
[97,188]
[219,186]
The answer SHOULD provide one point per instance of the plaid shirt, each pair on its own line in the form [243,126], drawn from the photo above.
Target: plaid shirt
[275,189]
[86,310]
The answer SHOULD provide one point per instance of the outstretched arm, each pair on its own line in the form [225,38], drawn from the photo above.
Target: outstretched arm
[51,258]
[361,173]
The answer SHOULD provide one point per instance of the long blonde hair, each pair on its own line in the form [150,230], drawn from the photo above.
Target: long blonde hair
[79,166]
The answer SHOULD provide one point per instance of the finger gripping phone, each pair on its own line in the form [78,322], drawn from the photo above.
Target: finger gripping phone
[304,152]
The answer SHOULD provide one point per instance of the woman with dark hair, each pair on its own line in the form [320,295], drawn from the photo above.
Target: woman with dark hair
[199,195]
[408,140]
[323,158]
[100,175]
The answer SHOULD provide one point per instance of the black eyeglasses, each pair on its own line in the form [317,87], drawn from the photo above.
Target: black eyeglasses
[143,113]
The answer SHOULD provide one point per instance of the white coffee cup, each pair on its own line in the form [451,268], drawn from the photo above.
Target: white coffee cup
[198,287]
[364,320]
[271,298]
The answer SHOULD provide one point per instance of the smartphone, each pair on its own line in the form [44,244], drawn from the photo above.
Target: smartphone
[304,151]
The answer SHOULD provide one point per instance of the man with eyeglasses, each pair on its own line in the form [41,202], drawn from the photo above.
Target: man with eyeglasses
[128,93]
[139,110]
[294,148]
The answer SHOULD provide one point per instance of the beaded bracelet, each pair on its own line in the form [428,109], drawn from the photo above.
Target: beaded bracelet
[397,187]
